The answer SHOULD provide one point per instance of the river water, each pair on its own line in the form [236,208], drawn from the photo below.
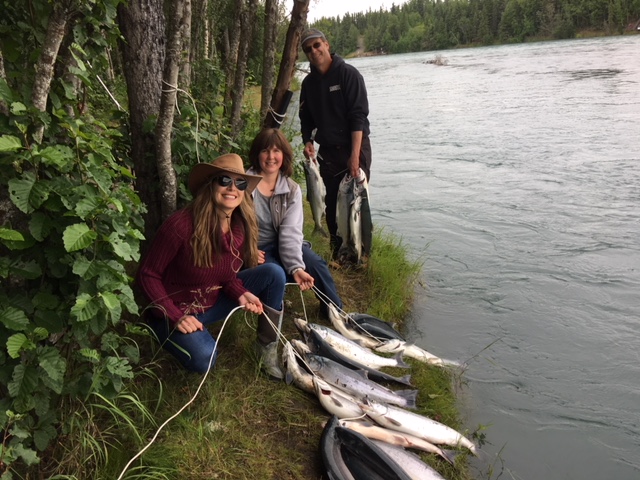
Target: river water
[513,172]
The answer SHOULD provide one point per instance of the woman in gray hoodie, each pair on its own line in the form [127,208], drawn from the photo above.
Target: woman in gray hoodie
[279,208]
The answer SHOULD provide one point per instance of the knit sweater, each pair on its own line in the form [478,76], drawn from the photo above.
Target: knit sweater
[171,281]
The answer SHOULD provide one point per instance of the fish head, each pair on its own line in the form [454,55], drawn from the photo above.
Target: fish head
[299,346]
[314,362]
[321,330]
[302,325]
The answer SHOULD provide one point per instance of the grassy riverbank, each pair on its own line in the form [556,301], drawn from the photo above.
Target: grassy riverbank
[242,425]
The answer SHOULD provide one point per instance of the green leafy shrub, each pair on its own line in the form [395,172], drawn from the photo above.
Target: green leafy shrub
[71,225]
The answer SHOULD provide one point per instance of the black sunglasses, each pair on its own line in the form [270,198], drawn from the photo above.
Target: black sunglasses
[308,48]
[225,181]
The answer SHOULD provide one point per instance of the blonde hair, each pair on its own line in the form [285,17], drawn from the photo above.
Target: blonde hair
[207,231]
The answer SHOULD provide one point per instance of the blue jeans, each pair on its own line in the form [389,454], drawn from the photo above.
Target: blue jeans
[195,350]
[317,268]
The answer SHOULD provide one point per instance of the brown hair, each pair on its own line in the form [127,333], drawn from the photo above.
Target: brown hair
[207,231]
[267,138]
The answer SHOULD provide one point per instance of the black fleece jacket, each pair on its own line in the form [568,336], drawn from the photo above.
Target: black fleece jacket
[335,103]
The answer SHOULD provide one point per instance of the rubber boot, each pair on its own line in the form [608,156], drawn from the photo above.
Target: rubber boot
[267,342]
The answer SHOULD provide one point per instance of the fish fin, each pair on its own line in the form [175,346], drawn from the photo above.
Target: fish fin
[410,396]
[288,378]
[450,455]
[406,380]
[364,373]
[320,231]
[394,422]
[400,360]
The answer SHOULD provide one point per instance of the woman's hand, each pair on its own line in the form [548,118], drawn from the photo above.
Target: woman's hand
[189,324]
[303,279]
[250,302]
[261,258]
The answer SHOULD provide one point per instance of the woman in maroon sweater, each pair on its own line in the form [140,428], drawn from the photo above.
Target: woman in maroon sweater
[203,262]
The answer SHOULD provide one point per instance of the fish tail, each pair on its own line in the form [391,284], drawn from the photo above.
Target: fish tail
[406,380]
[409,396]
[320,230]
[449,455]
[400,360]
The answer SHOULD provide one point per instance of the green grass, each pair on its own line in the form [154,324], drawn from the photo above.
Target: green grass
[241,425]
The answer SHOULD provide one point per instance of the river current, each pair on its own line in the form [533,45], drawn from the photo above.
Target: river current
[513,173]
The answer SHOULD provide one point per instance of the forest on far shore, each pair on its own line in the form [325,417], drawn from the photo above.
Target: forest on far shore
[423,25]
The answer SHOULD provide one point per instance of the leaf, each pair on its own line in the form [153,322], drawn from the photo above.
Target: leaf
[9,143]
[90,354]
[86,206]
[29,457]
[16,343]
[120,248]
[112,302]
[24,381]
[18,108]
[28,194]
[85,308]
[40,333]
[59,156]
[119,367]
[43,435]
[13,319]
[9,234]
[45,301]
[77,237]
[29,270]
[5,92]
[39,226]
[55,366]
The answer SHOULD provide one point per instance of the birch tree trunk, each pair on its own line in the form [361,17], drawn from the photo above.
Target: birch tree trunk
[185,57]
[143,27]
[167,177]
[231,57]
[289,58]
[269,53]
[248,17]
[47,60]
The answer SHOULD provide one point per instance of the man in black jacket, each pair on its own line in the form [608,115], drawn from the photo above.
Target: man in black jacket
[333,102]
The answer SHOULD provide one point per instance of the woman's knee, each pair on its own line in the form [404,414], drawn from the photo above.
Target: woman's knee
[274,272]
[201,360]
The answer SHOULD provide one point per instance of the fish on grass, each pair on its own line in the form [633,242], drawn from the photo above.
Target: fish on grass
[345,328]
[420,426]
[347,455]
[320,347]
[315,193]
[353,218]
[335,401]
[394,437]
[349,348]
[413,351]
[294,372]
[357,384]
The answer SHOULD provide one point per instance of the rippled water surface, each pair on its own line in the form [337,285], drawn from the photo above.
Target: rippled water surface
[514,171]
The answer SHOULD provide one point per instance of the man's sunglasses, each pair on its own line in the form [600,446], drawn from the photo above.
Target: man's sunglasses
[225,181]
[308,48]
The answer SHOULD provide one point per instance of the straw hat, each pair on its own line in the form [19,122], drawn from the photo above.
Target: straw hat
[229,163]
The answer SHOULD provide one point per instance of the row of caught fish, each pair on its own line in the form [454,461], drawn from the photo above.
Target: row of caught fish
[344,376]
